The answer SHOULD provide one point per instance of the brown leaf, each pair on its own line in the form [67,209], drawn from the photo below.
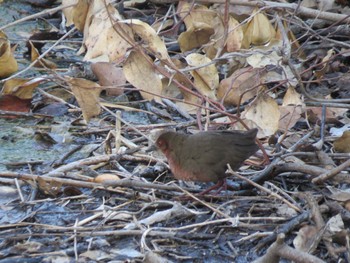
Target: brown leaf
[87,94]
[305,238]
[195,36]
[292,97]
[41,63]
[290,115]
[342,144]
[232,88]
[234,36]
[21,88]
[109,75]
[51,187]
[13,103]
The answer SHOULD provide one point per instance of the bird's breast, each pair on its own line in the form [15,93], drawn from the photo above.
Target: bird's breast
[181,173]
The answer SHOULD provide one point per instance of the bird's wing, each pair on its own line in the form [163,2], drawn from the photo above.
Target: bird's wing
[220,148]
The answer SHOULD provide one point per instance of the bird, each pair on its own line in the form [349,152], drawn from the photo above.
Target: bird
[203,157]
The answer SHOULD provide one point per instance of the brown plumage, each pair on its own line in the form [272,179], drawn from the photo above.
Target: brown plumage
[204,156]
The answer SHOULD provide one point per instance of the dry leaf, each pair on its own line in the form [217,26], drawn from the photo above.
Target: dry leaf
[13,103]
[217,40]
[206,79]
[162,25]
[195,36]
[21,88]
[41,63]
[199,21]
[339,195]
[105,43]
[259,60]
[258,31]
[242,80]
[235,35]
[342,144]
[149,35]
[335,224]
[290,115]
[139,71]
[292,97]
[8,63]
[109,75]
[87,94]
[195,13]
[76,14]
[68,12]
[305,238]
[264,112]
[52,187]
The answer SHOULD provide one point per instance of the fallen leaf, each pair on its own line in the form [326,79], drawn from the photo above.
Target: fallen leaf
[103,41]
[195,13]
[87,94]
[195,36]
[8,63]
[305,238]
[41,63]
[292,97]
[206,76]
[76,14]
[68,12]
[235,35]
[342,144]
[52,187]
[21,88]
[13,103]
[290,115]
[264,112]
[109,74]
[152,41]
[140,72]
[241,82]
[258,31]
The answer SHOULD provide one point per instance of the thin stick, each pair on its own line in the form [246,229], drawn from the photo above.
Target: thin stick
[264,189]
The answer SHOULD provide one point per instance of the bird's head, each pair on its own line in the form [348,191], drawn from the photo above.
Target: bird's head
[163,143]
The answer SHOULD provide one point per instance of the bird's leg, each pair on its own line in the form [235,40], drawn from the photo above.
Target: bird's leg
[220,185]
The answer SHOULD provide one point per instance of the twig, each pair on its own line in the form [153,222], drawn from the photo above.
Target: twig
[330,174]
[280,250]
[298,209]
[298,10]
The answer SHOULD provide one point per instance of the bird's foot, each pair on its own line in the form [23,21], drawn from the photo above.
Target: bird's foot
[220,185]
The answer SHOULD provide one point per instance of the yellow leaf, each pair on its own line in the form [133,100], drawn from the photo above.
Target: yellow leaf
[139,71]
[258,31]
[264,112]
[206,79]
[21,88]
[195,36]
[149,35]
[8,64]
